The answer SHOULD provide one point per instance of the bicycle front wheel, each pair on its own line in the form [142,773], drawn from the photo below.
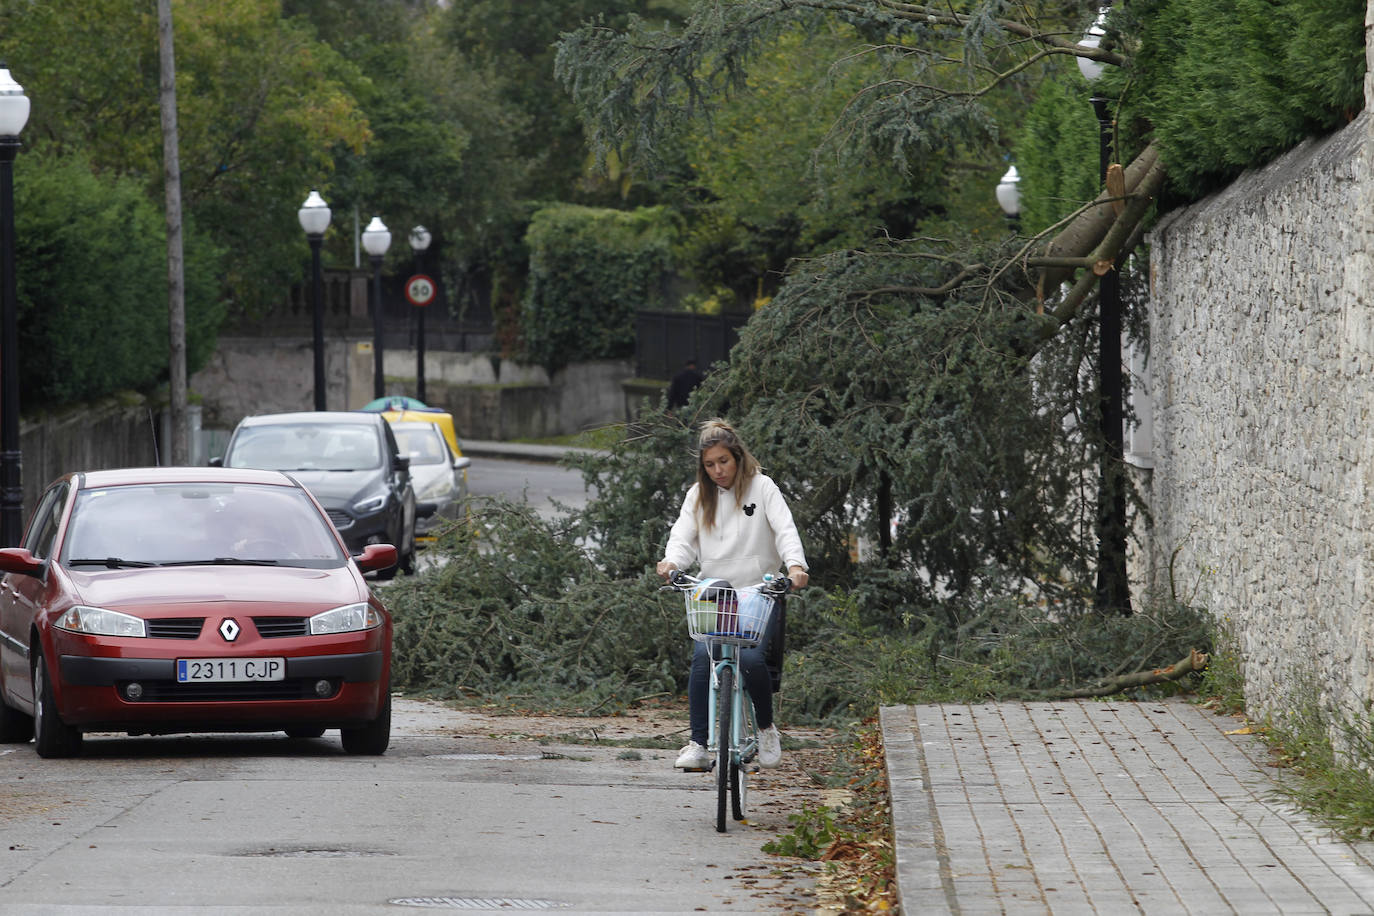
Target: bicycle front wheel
[725,697]
[739,790]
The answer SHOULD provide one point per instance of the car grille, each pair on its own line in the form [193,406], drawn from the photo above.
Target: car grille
[172,692]
[340,519]
[175,627]
[273,627]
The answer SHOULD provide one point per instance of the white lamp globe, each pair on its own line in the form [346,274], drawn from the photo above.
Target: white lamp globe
[1009,193]
[376,237]
[420,238]
[314,214]
[1092,69]
[14,105]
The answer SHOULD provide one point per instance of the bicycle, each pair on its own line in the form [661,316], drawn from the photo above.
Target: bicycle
[727,620]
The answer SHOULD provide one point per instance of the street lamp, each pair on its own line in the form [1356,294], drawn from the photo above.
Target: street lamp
[419,243]
[314,217]
[376,240]
[1009,197]
[1092,69]
[1113,588]
[14,114]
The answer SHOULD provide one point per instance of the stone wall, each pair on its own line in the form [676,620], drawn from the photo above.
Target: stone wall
[1261,366]
[489,398]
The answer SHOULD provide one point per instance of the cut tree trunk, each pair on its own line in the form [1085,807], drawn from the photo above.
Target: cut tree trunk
[1194,661]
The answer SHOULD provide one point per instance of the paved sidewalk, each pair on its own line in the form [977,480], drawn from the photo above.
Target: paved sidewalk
[1103,807]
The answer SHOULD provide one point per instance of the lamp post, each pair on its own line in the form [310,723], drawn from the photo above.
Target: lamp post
[14,114]
[376,240]
[419,243]
[1009,198]
[314,217]
[1113,587]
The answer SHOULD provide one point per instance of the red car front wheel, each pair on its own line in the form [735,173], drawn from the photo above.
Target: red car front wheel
[53,737]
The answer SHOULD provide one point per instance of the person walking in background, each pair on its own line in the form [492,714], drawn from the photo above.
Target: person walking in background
[735,525]
[683,384]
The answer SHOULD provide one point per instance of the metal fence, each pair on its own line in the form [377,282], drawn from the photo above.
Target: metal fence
[664,341]
[458,320]
[462,321]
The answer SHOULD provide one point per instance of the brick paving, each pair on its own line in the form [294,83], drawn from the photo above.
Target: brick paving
[1103,807]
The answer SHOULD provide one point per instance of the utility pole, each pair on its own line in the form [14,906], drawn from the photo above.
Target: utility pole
[176,275]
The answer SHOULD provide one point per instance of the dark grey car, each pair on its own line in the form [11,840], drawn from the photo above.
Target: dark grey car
[349,461]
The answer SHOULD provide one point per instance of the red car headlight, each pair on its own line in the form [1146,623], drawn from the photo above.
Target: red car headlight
[97,621]
[347,619]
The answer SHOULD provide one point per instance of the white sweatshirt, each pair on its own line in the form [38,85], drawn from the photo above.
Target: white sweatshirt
[756,537]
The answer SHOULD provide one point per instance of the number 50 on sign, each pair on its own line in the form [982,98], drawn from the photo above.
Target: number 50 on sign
[420,290]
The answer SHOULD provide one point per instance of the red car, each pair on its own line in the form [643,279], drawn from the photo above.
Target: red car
[170,600]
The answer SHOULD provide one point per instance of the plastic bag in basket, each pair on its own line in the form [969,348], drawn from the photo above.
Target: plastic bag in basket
[754,607]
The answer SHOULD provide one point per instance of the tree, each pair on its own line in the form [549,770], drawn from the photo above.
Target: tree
[262,107]
[946,72]
[760,182]
[915,428]
[515,43]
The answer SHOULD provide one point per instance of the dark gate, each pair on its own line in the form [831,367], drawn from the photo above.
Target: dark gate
[664,341]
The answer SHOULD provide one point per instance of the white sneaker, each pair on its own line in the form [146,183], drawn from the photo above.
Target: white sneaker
[770,747]
[693,757]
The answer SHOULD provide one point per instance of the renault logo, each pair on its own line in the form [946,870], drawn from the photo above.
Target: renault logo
[229,629]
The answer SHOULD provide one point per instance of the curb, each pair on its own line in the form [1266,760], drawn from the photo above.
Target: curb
[520,451]
[922,867]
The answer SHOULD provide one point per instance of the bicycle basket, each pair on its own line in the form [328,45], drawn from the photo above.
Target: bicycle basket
[718,613]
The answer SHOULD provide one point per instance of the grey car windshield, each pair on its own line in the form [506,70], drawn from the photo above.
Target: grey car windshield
[170,524]
[307,447]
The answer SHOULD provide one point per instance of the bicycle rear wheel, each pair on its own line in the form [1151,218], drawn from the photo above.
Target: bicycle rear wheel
[724,707]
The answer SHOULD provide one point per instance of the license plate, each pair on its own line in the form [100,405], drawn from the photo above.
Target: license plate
[222,670]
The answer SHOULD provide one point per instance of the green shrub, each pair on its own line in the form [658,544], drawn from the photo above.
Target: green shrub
[590,270]
[1226,86]
[813,830]
[1057,151]
[1224,680]
[1330,753]
[91,270]
[1221,88]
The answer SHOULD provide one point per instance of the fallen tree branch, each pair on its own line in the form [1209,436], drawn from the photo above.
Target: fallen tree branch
[1141,178]
[1194,661]
[1109,247]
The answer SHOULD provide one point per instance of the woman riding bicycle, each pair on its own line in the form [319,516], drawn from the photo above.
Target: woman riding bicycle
[735,523]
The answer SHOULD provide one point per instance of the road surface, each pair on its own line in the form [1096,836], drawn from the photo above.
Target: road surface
[541,484]
[465,811]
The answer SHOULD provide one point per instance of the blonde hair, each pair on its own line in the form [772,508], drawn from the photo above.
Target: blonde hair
[717,432]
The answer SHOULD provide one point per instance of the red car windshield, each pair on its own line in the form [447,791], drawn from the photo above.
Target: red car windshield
[169,524]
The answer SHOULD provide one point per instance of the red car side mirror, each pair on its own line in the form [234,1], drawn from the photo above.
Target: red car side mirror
[374,556]
[19,560]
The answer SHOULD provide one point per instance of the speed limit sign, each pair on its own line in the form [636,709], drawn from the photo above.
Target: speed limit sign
[420,290]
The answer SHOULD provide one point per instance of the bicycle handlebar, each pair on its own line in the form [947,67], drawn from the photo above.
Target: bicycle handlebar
[680,581]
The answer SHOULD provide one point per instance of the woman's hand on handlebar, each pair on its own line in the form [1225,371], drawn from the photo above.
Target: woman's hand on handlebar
[665,569]
[798,576]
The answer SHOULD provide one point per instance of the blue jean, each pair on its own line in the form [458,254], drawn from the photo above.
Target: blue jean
[756,680]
